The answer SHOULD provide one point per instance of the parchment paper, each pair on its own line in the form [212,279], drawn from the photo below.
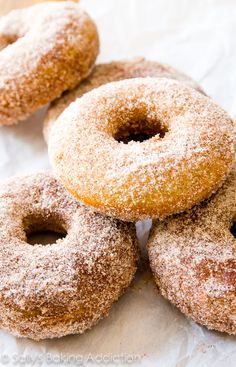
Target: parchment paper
[143,329]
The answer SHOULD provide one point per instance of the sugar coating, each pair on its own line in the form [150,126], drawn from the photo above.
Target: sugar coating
[64,288]
[44,50]
[193,259]
[114,71]
[149,179]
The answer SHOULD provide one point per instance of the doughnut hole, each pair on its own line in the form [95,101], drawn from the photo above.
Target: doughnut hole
[6,40]
[139,130]
[43,228]
[233,229]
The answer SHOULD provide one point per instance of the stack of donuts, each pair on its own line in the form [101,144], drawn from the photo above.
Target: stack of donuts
[127,141]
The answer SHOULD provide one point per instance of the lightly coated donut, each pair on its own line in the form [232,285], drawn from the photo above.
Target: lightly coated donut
[114,71]
[193,259]
[186,158]
[63,288]
[44,50]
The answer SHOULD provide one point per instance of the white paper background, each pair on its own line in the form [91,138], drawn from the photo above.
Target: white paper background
[197,37]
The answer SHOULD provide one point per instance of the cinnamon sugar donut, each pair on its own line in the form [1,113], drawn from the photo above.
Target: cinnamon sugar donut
[186,158]
[45,49]
[114,71]
[63,288]
[193,259]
